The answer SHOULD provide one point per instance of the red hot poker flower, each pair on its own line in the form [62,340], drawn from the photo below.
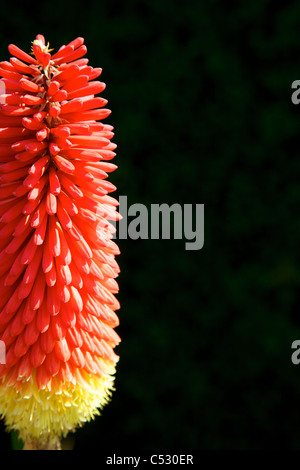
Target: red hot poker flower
[57,257]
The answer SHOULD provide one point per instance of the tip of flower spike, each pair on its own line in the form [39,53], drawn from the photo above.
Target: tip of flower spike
[40,38]
[41,52]
[40,41]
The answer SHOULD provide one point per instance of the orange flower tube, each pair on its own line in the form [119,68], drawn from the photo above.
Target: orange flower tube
[57,256]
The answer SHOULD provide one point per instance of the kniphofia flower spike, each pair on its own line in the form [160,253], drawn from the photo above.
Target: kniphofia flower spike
[57,256]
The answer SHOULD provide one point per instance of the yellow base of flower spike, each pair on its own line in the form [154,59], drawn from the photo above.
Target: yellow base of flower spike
[40,414]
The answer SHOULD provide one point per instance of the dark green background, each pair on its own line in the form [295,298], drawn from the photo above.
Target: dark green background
[201,101]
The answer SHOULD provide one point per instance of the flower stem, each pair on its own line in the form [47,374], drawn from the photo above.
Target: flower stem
[49,443]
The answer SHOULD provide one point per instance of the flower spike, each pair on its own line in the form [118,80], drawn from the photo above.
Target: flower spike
[57,256]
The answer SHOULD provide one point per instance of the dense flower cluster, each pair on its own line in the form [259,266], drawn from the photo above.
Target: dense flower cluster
[57,256]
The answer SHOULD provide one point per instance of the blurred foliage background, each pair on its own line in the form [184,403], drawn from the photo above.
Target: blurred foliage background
[200,94]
